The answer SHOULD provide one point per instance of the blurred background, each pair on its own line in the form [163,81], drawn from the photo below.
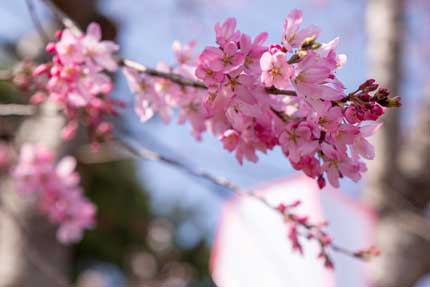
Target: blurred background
[155,225]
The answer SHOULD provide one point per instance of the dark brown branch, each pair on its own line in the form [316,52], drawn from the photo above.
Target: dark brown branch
[275,91]
[178,79]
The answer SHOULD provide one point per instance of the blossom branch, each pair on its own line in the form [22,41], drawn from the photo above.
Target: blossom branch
[175,78]
[322,135]
[312,231]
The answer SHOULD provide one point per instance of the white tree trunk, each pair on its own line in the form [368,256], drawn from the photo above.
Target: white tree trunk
[34,235]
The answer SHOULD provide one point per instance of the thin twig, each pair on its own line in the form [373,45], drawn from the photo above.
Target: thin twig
[147,154]
[42,34]
[178,79]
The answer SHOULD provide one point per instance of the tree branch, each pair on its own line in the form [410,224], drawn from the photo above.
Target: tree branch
[43,36]
[147,154]
[178,79]
[154,156]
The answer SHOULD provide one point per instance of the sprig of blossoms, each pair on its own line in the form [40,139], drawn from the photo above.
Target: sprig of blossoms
[258,97]
[56,189]
[77,79]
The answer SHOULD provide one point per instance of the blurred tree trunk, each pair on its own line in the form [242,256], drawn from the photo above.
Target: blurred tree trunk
[17,268]
[398,184]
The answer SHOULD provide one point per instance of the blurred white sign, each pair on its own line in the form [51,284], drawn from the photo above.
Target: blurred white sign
[251,248]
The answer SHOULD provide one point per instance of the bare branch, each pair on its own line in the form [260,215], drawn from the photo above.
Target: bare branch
[43,35]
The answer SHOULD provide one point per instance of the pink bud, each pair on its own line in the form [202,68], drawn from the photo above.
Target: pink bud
[321,182]
[281,208]
[104,128]
[69,130]
[58,34]
[50,48]
[273,49]
[351,115]
[41,69]
[366,84]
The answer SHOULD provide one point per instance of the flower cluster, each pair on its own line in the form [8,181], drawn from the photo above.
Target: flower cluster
[301,225]
[158,95]
[258,97]
[57,191]
[77,80]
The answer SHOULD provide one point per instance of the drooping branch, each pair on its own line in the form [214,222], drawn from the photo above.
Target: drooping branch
[310,229]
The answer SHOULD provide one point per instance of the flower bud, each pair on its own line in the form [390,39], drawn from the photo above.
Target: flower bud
[321,182]
[50,48]
[394,102]
[366,84]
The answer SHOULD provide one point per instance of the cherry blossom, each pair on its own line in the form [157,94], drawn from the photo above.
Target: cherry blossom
[320,128]
[76,79]
[56,190]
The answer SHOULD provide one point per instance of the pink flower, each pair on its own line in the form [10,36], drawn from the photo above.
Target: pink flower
[230,139]
[310,166]
[69,49]
[299,140]
[292,37]
[361,146]
[184,53]
[337,164]
[56,189]
[225,60]
[275,70]
[226,32]
[76,79]
[253,51]
[98,53]
[319,130]
[329,117]
[209,76]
